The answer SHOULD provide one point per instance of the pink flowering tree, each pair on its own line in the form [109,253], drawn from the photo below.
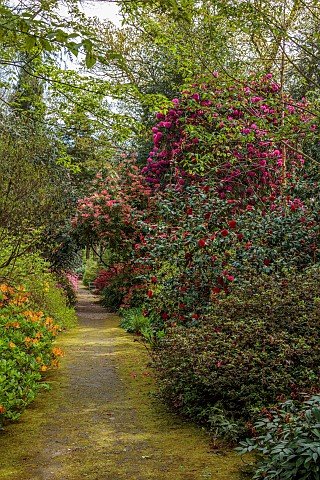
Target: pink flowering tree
[108,216]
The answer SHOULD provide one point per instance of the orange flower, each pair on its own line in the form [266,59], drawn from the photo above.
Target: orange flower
[38,359]
[48,322]
[12,345]
[20,299]
[57,352]
[13,324]
[5,289]
[34,316]
[2,409]
[55,363]
[44,368]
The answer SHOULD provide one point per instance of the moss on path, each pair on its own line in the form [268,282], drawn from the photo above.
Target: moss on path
[98,421]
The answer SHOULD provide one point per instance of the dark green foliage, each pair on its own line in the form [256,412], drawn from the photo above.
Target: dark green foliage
[288,437]
[260,342]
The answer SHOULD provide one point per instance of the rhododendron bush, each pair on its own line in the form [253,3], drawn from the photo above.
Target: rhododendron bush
[235,192]
[109,217]
[244,133]
[122,286]
[202,246]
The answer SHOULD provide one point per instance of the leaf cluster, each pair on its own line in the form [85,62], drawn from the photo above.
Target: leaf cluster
[287,439]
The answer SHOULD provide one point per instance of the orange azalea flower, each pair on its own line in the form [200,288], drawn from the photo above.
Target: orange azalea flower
[2,409]
[38,359]
[48,322]
[55,363]
[33,315]
[44,368]
[12,324]
[27,339]
[5,289]
[20,299]
[12,345]
[57,352]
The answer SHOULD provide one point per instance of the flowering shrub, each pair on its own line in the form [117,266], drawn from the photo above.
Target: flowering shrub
[287,437]
[68,283]
[201,246]
[244,133]
[121,286]
[261,341]
[26,350]
[109,215]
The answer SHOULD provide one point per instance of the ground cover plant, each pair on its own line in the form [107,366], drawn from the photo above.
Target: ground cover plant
[27,350]
[286,438]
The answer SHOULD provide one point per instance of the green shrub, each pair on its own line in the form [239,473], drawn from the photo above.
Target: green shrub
[133,321]
[258,343]
[288,438]
[51,298]
[90,272]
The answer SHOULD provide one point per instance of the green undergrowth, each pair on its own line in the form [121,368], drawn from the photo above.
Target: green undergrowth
[133,321]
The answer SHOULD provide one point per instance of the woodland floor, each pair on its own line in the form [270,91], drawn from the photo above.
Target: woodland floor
[99,421]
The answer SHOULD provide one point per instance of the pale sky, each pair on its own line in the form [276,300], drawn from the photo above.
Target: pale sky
[103,10]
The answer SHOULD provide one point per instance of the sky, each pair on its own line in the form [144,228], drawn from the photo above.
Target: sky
[104,10]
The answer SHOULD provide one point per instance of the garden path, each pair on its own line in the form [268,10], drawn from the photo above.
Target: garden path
[98,422]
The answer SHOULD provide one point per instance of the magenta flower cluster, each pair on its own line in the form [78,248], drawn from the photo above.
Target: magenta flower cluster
[246,133]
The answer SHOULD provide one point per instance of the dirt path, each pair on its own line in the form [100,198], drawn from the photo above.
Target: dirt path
[98,421]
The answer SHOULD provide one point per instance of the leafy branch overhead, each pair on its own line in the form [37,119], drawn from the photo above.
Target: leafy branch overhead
[27,27]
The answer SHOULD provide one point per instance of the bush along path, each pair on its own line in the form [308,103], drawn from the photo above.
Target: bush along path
[98,421]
